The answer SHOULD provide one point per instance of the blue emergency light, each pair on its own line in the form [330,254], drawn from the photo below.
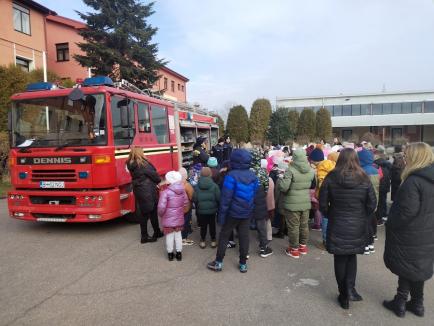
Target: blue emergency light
[41,86]
[98,81]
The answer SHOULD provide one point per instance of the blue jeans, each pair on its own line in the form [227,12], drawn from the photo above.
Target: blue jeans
[187,225]
[324,224]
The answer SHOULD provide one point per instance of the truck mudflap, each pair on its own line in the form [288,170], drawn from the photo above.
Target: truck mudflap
[66,206]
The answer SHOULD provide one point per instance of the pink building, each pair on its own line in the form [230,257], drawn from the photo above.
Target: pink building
[173,84]
[62,39]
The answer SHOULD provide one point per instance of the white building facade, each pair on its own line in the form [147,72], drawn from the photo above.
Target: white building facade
[390,116]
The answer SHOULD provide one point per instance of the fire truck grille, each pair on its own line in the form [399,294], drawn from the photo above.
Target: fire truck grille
[53,216]
[54,175]
[58,200]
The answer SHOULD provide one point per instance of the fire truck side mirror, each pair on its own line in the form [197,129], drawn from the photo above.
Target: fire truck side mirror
[124,113]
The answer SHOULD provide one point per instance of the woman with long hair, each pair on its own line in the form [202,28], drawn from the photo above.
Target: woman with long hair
[145,181]
[348,199]
[395,174]
[409,250]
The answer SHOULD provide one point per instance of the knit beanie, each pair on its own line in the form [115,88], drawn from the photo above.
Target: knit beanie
[333,156]
[206,172]
[316,155]
[173,177]
[212,162]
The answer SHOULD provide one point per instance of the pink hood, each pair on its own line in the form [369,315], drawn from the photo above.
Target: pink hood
[171,205]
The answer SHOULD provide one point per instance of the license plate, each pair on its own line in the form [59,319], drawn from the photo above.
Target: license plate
[52,184]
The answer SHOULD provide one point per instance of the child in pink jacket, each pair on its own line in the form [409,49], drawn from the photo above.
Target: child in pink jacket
[171,211]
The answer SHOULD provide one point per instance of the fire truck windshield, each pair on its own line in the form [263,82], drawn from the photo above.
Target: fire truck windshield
[55,121]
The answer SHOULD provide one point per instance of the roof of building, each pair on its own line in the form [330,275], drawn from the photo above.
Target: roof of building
[66,21]
[172,72]
[38,7]
[353,95]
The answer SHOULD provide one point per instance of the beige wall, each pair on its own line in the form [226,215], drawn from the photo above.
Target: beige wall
[27,46]
[59,33]
[179,95]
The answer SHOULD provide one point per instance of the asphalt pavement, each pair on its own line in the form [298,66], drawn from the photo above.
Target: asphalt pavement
[100,274]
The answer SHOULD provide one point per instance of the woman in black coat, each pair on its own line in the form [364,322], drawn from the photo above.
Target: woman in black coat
[409,250]
[348,199]
[145,181]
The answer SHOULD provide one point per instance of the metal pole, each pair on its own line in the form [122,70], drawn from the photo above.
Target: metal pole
[178,134]
[44,64]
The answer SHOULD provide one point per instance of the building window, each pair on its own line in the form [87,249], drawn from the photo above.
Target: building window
[416,107]
[346,110]
[179,87]
[365,109]
[377,109]
[172,86]
[356,109]
[182,88]
[337,110]
[346,134]
[429,107]
[24,64]
[62,50]
[21,19]
[165,83]
[406,107]
[396,108]
[387,108]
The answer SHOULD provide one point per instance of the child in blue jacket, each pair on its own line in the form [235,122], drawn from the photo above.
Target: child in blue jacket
[236,207]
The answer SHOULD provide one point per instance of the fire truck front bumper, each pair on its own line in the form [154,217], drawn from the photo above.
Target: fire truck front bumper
[65,206]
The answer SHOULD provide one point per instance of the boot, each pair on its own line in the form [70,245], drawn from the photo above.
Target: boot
[147,239]
[353,295]
[397,305]
[416,307]
[170,255]
[178,256]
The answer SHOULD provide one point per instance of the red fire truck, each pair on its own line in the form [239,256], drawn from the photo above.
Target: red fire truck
[69,147]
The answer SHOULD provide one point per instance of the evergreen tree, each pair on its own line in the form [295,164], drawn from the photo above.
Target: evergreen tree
[293,117]
[323,124]
[279,131]
[118,41]
[306,124]
[259,119]
[237,126]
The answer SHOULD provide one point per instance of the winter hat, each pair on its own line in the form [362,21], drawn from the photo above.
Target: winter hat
[333,156]
[173,177]
[184,173]
[381,149]
[206,172]
[212,162]
[317,155]
[264,163]
[199,141]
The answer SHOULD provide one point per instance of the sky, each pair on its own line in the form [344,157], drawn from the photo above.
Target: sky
[234,52]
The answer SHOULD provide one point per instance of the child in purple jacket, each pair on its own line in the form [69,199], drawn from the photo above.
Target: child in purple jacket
[171,210]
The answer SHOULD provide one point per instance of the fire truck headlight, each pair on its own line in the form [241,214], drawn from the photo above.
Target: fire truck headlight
[99,198]
[12,196]
[22,175]
[83,159]
[83,175]
[94,216]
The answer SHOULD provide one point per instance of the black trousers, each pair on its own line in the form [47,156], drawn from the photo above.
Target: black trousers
[382,205]
[143,220]
[204,222]
[345,272]
[414,288]
[242,226]
[261,227]
[372,226]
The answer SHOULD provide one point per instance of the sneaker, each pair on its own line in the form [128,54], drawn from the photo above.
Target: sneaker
[385,219]
[202,244]
[367,251]
[371,249]
[243,268]
[231,244]
[267,251]
[303,249]
[248,256]
[375,237]
[187,242]
[292,252]
[316,228]
[213,243]
[216,266]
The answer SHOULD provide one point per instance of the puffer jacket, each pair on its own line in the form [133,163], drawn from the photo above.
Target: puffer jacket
[145,180]
[323,168]
[171,205]
[409,249]
[295,185]
[206,196]
[386,167]
[366,159]
[239,188]
[349,205]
